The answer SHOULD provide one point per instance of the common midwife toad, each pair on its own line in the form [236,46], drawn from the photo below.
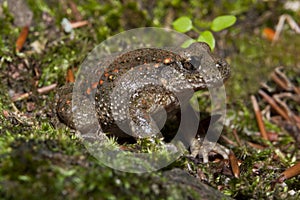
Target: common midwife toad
[143,88]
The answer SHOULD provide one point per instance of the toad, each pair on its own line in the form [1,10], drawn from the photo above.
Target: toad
[143,89]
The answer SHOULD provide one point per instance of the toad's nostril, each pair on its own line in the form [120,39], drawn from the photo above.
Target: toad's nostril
[221,63]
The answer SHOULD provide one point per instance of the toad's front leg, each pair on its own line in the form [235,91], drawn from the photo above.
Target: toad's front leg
[202,144]
[143,124]
[202,149]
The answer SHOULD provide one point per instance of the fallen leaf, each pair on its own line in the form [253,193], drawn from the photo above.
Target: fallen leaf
[22,38]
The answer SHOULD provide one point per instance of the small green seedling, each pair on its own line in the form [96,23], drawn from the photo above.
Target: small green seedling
[185,24]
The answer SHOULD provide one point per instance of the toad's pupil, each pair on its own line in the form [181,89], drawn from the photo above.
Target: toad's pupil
[193,64]
[188,66]
[195,61]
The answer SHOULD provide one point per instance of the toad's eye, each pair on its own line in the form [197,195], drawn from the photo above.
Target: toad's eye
[193,64]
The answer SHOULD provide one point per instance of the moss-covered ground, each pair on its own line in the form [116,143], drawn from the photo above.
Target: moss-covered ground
[39,159]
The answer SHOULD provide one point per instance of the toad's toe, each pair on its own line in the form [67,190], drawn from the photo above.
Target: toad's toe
[202,150]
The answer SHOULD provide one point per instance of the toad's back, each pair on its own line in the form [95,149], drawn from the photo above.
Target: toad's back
[140,86]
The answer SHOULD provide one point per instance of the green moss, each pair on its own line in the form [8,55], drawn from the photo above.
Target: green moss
[38,160]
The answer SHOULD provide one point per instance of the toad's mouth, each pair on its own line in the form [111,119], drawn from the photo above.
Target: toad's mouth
[208,82]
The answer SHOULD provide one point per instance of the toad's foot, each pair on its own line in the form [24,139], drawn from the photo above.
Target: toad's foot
[203,149]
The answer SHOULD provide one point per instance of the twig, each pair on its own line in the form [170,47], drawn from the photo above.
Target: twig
[297,90]
[292,117]
[42,90]
[280,25]
[279,82]
[19,97]
[229,141]
[69,26]
[237,138]
[278,97]
[273,104]
[266,87]
[281,79]
[46,89]
[256,146]
[79,24]
[289,85]
[266,112]
[290,172]
[75,10]
[259,120]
